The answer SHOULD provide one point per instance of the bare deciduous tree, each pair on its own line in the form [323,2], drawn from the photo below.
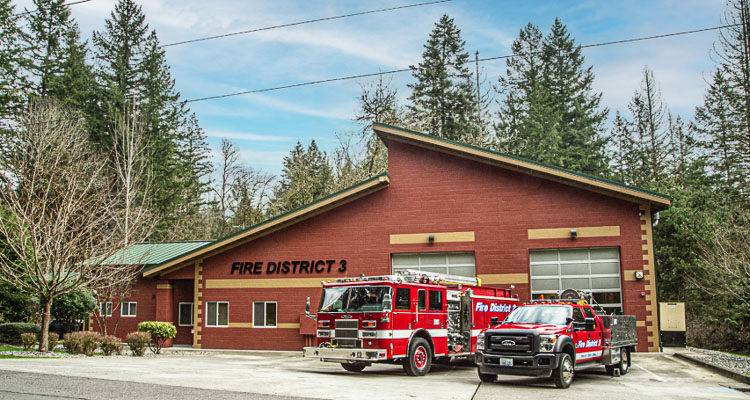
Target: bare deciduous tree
[229,168]
[59,209]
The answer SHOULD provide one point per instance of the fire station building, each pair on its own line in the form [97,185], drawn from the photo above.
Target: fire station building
[443,206]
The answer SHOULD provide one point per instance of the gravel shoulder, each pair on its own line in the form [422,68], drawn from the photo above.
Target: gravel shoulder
[734,362]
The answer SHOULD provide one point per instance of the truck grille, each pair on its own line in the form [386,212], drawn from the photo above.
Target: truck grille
[515,344]
[347,332]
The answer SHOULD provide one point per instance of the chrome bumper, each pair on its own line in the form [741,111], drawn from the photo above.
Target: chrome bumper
[343,354]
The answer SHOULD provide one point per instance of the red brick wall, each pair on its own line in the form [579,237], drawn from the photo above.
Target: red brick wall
[143,293]
[429,192]
[183,293]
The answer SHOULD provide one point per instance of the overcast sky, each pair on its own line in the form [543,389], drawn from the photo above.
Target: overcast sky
[266,126]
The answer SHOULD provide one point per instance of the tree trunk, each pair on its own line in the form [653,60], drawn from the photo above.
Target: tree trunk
[43,343]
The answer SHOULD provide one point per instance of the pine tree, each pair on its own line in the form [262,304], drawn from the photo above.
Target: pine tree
[194,167]
[529,124]
[442,99]
[49,27]
[12,55]
[569,83]
[75,85]
[651,137]
[306,177]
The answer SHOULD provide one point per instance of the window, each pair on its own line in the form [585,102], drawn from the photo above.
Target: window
[436,300]
[264,314]
[422,298]
[588,313]
[105,309]
[577,315]
[445,263]
[217,313]
[185,317]
[403,297]
[127,309]
[594,270]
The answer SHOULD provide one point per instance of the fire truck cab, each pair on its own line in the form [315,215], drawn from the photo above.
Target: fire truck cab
[411,317]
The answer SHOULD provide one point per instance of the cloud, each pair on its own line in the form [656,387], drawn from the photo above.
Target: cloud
[247,136]
[321,110]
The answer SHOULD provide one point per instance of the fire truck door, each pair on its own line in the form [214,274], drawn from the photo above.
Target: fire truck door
[587,348]
[422,318]
[403,319]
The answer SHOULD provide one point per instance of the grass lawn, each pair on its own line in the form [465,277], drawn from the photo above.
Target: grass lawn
[12,348]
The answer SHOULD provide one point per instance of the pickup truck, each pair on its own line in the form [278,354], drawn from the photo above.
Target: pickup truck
[555,339]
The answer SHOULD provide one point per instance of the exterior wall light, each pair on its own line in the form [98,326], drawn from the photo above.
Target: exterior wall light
[573,233]
[638,275]
[431,238]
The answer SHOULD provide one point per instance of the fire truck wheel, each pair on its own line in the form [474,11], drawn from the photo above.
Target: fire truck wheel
[563,375]
[420,358]
[354,367]
[624,364]
[487,377]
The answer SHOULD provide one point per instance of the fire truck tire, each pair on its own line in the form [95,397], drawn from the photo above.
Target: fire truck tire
[489,378]
[420,358]
[354,367]
[624,365]
[563,374]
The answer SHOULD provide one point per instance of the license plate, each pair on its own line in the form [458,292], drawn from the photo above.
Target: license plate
[506,362]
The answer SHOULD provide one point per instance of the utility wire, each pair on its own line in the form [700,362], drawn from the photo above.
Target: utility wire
[51,8]
[304,22]
[395,71]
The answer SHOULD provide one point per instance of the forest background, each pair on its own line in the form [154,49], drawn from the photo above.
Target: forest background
[543,107]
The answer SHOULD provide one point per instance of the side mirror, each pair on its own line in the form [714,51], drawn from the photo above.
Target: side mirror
[307,309]
[589,324]
[568,320]
[387,302]
[494,321]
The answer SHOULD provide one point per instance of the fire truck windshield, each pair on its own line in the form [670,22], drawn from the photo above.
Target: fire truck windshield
[542,314]
[353,299]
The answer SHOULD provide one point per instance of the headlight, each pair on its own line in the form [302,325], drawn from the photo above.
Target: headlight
[547,344]
[480,341]
[322,333]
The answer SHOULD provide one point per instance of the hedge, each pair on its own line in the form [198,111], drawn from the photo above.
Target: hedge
[10,332]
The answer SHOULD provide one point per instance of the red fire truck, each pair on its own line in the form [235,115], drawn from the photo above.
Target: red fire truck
[411,317]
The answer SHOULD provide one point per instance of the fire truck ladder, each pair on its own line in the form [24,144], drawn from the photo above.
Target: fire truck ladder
[416,276]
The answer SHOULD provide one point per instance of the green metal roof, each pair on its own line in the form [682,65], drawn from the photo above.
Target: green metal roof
[488,151]
[153,253]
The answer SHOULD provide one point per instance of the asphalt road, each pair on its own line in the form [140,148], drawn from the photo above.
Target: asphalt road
[285,375]
[34,386]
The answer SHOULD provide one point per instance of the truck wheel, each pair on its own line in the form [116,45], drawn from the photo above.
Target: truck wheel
[489,378]
[624,364]
[420,358]
[354,367]
[563,374]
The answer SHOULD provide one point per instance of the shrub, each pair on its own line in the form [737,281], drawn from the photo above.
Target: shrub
[52,340]
[160,333]
[10,332]
[111,345]
[28,340]
[82,342]
[137,341]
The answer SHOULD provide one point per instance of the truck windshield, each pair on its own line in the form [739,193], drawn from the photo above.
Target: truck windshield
[353,298]
[553,315]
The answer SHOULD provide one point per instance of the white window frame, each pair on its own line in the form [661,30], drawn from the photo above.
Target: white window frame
[589,261]
[122,314]
[446,265]
[192,316]
[217,314]
[265,314]
[103,307]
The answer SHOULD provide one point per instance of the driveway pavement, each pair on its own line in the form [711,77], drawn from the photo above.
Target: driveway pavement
[287,374]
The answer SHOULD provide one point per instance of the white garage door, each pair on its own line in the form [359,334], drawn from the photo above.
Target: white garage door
[595,270]
[444,263]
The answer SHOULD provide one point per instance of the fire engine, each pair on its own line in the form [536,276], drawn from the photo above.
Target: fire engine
[410,317]
[555,338]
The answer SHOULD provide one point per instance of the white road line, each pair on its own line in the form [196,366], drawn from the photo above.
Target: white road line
[657,377]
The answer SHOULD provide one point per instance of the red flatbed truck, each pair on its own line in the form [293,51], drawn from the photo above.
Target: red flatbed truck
[555,339]
[410,317]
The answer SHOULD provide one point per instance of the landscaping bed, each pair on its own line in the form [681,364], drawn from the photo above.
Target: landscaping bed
[734,362]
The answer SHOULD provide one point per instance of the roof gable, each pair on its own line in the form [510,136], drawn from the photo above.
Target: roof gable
[571,178]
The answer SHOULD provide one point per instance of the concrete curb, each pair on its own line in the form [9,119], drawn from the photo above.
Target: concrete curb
[715,368]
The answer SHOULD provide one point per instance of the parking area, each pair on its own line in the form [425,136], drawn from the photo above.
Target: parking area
[287,374]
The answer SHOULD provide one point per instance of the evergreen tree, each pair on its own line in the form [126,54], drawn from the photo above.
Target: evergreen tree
[529,124]
[306,177]
[569,83]
[49,27]
[75,85]
[12,55]
[442,99]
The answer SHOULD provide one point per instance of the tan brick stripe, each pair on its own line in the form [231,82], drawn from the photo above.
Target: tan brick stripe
[652,329]
[197,304]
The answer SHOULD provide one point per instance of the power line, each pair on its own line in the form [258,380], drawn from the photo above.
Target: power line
[304,22]
[51,8]
[395,71]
